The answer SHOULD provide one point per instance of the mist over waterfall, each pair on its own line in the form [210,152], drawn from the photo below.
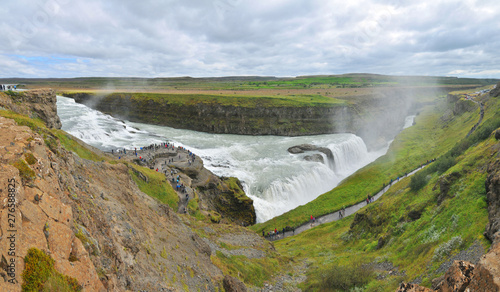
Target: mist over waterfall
[275,179]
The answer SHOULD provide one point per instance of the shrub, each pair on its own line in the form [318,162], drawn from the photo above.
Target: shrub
[418,181]
[30,158]
[444,163]
[444,250]
[40,275]
[25,172]
[345,278]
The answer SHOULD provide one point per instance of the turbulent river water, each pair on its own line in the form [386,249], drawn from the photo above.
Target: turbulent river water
[276,180]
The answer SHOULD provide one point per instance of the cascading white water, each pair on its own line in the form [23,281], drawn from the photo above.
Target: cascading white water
[276,180]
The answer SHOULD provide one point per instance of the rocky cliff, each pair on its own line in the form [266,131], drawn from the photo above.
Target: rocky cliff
[40,103]
[90,220]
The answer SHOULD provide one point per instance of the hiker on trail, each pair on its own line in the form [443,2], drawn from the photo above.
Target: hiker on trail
[340,214]
[343,211]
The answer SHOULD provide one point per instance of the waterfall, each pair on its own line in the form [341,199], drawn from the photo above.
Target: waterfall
[286,193]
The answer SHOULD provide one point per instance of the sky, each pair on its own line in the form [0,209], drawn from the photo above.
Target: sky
[209,38]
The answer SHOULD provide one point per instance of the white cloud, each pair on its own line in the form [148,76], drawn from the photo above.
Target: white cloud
[241,37]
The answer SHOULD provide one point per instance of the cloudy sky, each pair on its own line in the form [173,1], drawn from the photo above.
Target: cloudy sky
[153,38]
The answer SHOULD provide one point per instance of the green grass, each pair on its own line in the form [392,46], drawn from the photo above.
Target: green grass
[156,186]
[71,144]
[228,100]
[246,83]
[25,172]
[40,275]
[428,139]
[251,271]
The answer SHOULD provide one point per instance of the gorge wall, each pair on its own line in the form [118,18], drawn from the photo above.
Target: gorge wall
[376,118]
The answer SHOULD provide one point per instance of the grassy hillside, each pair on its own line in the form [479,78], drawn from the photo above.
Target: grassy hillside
[412,231]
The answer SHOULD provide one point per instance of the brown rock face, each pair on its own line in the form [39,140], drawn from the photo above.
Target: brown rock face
[487,273]
[457,278]
[44,223]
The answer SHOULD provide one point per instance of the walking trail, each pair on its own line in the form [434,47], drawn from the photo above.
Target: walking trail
[334,216]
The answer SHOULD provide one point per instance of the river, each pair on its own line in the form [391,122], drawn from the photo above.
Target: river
[276,180]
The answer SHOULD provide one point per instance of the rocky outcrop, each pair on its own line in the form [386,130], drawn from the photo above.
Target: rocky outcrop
[308,147]
[315,158]
[444,184]
[457,278]
[495,92]
[35,211]
[232,284]
[39,103]
[492,185]
[222,195]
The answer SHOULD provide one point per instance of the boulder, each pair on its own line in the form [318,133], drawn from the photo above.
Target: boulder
[315,158]
[408,287]
[232,284]
[457,278]
[298,149]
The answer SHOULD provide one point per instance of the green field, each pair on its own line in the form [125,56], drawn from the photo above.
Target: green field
[243,82]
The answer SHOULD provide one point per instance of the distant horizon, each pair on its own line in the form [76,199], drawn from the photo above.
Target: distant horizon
[204,39]
[249,76]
